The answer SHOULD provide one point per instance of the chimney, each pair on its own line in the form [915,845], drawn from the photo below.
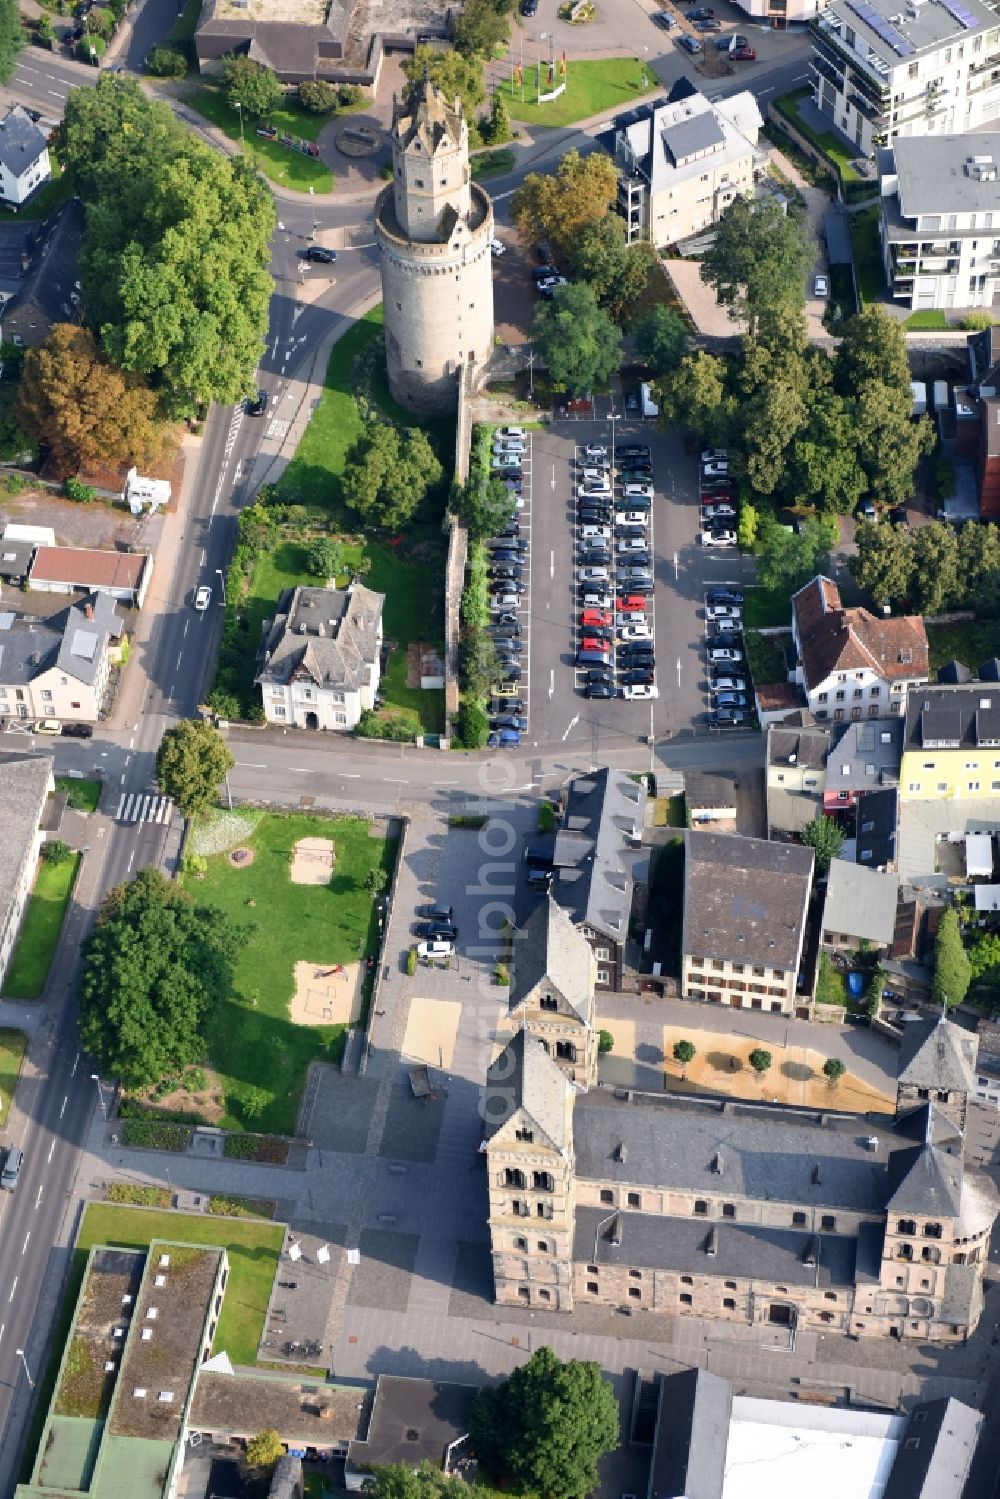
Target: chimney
[88,611]
[816,1178]
[717,1163]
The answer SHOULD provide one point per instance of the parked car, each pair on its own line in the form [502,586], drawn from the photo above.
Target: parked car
[439,947]
[726,627]
[595,617]
[640,676]
[599,674]
[636,585]
[546,288]
[630,618]
[505,463]
[631,601]
[507,618]
[631,533]
[632,450]
[637,492]
[509,721]
[529,7]
[544,273]
[258,405]
[898,516]
[663,18]
[640,693]
[730,699]
[722,683]
[504,739]
[12,1168]
[718,538]
[635,632]
[590,599]
[594,639]
[594,574]
[429,930]
[725,655]
[723,611]
[708,26]
[77,731]
[598,689]
[321,254]
[733,717]
[632,517]
[821,286]
[435,912]
[595,450]
[504,600]
[689,44]
[509,445]
[724,595]
[719,510]
[47,726]
[715,467]
[590,532]
[497,247]
[742,54]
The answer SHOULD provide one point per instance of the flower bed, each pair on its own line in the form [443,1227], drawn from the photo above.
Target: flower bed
[270,1149]
[156,1134]
[222,831]
[139,1197]
[241,1207]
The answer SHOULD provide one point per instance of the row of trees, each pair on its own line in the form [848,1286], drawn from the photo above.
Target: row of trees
[761,1060]
[175,257]
[933,567]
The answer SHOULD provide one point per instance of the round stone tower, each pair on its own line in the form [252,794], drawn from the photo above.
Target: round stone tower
[433,225]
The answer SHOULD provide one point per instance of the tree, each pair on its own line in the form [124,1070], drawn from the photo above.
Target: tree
[56,852]
[153,968]
[44,33]
[787,558]
[934,549]
[546,1427]
[318,96]
[376,880]
[499,123]
[324,557]
[486,506]
[481,27]
[952,969]
[472,727]
[175,268]
[747,526]
[617,273]
[450,72]
[264,1449]
[979,568]
[695,395]
[883,563]
[400,1481]
[822,462]
[825,838]
[191,763]
[79,408]
[12,38]
[760,1060]
[759,260]
[579,343]
[250,86]
[605,1042]
[889,443]
[872,351]
[101,22]
[560,206]
[662,339]
[166,62]
[388,473]
[833,1070]
[684,1053]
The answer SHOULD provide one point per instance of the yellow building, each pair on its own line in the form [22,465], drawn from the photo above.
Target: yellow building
[951,743]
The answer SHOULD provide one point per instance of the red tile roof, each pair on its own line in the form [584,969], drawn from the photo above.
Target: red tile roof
[88,569]
[832,638]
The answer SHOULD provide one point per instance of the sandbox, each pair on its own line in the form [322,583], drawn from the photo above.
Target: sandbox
[326,994]
[312,861]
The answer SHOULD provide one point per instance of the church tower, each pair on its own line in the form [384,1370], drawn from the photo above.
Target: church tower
[433,225]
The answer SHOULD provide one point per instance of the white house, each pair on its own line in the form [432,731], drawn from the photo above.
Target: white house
[24,157]
[940,220]
[889,68]
[319,661]
[851,663]
[25,782]
[58,668]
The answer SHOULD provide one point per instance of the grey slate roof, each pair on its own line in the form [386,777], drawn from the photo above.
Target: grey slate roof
[952,717]
[694,136]
[21,141]
[24,786]
[592,877]
[26,648]
[746,1252]
[745,899]
[937,1054]
[524,1076]
[861,902]
[934,1457]
[805,748]
[86,632]
[866,756]
[932,176]
[15,558]
[877,816]
[326,635]
[669,141]
[765,1153]
[709,789]
[692,1433]
[926,1180]
[548,946]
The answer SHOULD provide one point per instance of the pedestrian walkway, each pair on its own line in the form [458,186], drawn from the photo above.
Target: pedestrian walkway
[139,807]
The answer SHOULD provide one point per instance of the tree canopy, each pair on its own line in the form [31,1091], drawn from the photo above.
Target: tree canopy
[662,339]
[932,566]
[760,1060]
[399,1481]
[79,407]
[485,505]
[546,1427]
[388,472]
[265,1448]
[952,969]
[12,38]
[481,26]
[617,273]
[759,259]
[825,838]
[191,763]
[153,967]
[175,257]
[577,340]
[452,73]
[559,206]
[250,85]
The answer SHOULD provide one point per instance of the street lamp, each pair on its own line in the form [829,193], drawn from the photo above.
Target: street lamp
[222,583]
[614,417]
[24,1361]
[239,107]
[100,1094]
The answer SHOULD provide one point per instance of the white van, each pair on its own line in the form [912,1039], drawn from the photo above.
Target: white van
[649,406]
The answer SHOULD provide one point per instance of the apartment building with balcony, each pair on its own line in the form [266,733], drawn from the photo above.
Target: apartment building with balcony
[940,220]
[883,69]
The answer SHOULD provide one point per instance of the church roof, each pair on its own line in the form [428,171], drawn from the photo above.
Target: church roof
[524,1076]
[548,947]
[425,121]
[937,1054]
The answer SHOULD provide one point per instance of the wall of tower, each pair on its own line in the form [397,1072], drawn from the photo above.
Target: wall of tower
[438,306]
[423,186]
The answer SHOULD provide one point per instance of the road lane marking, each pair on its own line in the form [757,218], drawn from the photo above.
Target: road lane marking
[38,1199]
[351,775]
[187,622]
[250,765]
[299,770]
[131,861]
[3,1329]
[452,782]
[24,1246]
[76,1063]
[64,1103]
[13,1288]
[51,1152]
[178,666]
[395,781]
[131,745]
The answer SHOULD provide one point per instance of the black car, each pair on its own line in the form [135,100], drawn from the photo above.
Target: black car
[596,632]
[430,929]
[730,716]
[528,7]
[631,450]
[506,647]
[598,689]
[898,516]
[510,669]
[506,570]
[503,558]
[600,674]
[636,677]
[258,406]
[508,721]
[321,254]
[507,544]
[592,557]
[77,731]
[630,655]
[724,596]
[435,912]
[640,586]
[508,625]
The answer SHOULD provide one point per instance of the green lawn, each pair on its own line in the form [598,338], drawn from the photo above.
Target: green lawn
[251,1039]
[492,164]
[591,88]
[288,168]
[12,1048]
[84,796]
[927,322]
[43,921]
[763,609]
[836,151]
[971,641]
[766,657]
[867,253]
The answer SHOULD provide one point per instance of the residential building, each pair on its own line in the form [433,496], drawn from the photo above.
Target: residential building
[940,220]
[852,663]
[124,576]
[61,667]
[866,757]
[553,975]
[951,743]
[860,907]
[24,157]
[682,162]
[592,864]
[434,228]
[982,402]
[884,68]
[25,784]
[306,39]
[319,662]
[710,797]
[745,907]
[767,1217]
[15,560]
[875,837]
[413,1421]
[48,289]
[987,1088]
[796,777]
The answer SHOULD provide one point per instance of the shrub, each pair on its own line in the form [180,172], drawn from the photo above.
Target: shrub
[270,1149]
[372,726]
[155,1134]
[976,321]
[546,817]
[605,1042]
[324,558]
[139,1197]
[760,1060]
[56,852]
[241,1207]
[472,727]
[91,49]
[829,984]
[317,96]
[473,820]
[166,62]
[502,975]
[83,494]
[411,962]
[101,22]
[348,95]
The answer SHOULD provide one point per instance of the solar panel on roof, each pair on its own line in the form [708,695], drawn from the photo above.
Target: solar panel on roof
[900,44]
[84,644]
[961,13]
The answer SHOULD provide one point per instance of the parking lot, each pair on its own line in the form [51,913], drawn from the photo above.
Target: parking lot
[683,571]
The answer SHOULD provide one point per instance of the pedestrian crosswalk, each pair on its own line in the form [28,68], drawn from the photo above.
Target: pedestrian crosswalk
[144,807]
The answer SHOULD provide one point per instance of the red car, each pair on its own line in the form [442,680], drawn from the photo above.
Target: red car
[743,54]
[632,603]
[588,644]
[595,617]
[718,497]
